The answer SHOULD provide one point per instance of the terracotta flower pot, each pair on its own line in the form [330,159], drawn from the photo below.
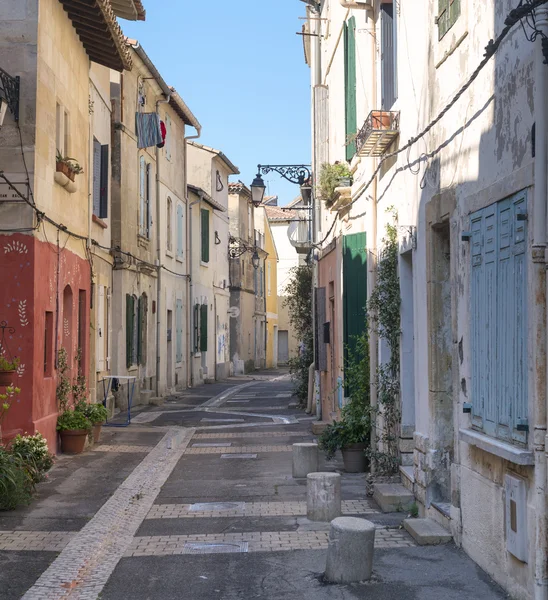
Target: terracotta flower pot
[7,378]
[354,458]
[97,432]
[65,169]
[380,119]
[73,440]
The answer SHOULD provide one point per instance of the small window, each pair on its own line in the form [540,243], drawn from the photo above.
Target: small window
[100,179]
[448,13]
[169,218]
[66,133]
[59,125]
[179,230]
[205,235]
[48,344]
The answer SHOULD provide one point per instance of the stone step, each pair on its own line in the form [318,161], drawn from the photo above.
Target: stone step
[408,478]
[318,427]
[392,497]
[426,532]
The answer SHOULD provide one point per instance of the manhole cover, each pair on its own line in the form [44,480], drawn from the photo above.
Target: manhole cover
[212,445]
[248,456]
[215,506]
[199,548]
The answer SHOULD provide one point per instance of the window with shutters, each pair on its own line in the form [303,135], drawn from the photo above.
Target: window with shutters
[196,328]
[205,235]
[100,179]
[132,330]
[179,231]
[179,332]
[351,120]
[499,319]
[448,13]
[203,328]
[142,311]
[169,221]
[389,90]
[145,198]
[168,137]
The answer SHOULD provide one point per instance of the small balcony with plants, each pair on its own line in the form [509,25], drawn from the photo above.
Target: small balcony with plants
[378,133]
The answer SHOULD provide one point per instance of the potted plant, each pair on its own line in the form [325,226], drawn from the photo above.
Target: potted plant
[332,177]
[97,415]
[8,369]
[68,166]
[73,427]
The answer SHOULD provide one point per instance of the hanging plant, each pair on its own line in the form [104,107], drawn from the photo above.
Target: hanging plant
[332,177]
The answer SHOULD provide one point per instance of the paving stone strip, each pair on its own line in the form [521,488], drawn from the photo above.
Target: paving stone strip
[273,541]
[123,449]
[251,509]
[84,566]
[239,449]
[48,541]
[222,436]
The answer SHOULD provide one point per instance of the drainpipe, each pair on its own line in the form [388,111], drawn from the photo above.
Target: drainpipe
[158,257]
[356,5]
[190,280]
[372,259]
[540,439]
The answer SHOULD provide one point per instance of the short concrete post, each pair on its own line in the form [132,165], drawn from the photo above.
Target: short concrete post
[305,459]
[323,496]
[350,550]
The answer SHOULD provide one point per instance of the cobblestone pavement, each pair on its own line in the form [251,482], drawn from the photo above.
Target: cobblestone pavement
[184,523]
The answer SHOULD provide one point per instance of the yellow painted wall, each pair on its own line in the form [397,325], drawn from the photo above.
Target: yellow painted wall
[271,290]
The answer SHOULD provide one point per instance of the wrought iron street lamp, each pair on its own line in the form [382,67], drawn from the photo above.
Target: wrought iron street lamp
[9,95]
[255,260]
[298,174]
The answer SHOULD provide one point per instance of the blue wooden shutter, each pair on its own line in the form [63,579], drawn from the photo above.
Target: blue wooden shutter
[103,202]
[179,332]
[96,177]
[351,119]
[179,230]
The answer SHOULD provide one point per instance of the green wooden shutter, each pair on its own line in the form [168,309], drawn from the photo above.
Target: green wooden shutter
[205,235]
[203,328]
[443,17]
[103,200]
[351,124]
[129,330]
[196,328]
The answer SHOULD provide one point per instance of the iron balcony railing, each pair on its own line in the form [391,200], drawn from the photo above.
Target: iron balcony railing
[380,129]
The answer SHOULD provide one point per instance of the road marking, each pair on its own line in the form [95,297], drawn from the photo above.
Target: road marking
[88,560]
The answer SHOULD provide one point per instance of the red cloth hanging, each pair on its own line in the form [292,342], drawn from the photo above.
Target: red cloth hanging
[164,133]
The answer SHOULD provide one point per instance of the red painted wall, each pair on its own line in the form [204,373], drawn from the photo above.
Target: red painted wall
[34,278]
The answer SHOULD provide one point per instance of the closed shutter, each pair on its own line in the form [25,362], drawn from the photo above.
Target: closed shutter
[350,86]
[179,332]
[129,330]
[205,235]
[388,56]
[203,328]
[142,316]
[321,126]
[448,13]
[149,201]
[179,230]
[96,178]
[498,327]
[100,329]
[196,328]
[142,195]
[322,319]
[103,201]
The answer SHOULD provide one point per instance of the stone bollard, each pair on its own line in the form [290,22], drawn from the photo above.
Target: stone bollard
[323,496]
[305,459]
[350,550]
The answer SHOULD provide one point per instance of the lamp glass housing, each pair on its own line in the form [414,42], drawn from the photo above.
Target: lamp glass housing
[255,260]
[258,189]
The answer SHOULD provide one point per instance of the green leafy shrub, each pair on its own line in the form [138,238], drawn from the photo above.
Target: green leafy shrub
[34,450]
[96,413]
[16,480]
[9,365]
[72,420]
[330,176]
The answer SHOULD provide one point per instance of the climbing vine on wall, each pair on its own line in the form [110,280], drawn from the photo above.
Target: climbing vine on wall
[384,317]
[298,299]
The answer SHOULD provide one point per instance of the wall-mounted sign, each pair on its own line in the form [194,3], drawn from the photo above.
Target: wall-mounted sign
[8,193]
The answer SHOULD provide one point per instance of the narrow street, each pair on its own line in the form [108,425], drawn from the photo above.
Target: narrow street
[195,500]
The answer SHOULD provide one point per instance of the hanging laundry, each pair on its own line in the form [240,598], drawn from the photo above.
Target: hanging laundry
[164,133]
[148,129]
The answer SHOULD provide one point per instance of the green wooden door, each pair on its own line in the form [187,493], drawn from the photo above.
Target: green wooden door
[354,289]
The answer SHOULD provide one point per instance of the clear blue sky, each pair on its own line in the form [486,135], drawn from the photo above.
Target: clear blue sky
[240,68]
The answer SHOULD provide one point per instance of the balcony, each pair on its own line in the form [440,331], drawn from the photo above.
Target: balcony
[380,129]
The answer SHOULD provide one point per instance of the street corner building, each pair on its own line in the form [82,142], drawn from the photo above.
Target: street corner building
[447,165]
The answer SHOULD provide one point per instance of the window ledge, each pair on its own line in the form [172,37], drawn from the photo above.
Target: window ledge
[169,253]
[513,454]
[204,264]
[179,258]
[99,221]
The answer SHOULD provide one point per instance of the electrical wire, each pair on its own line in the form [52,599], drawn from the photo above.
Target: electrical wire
[516,15]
